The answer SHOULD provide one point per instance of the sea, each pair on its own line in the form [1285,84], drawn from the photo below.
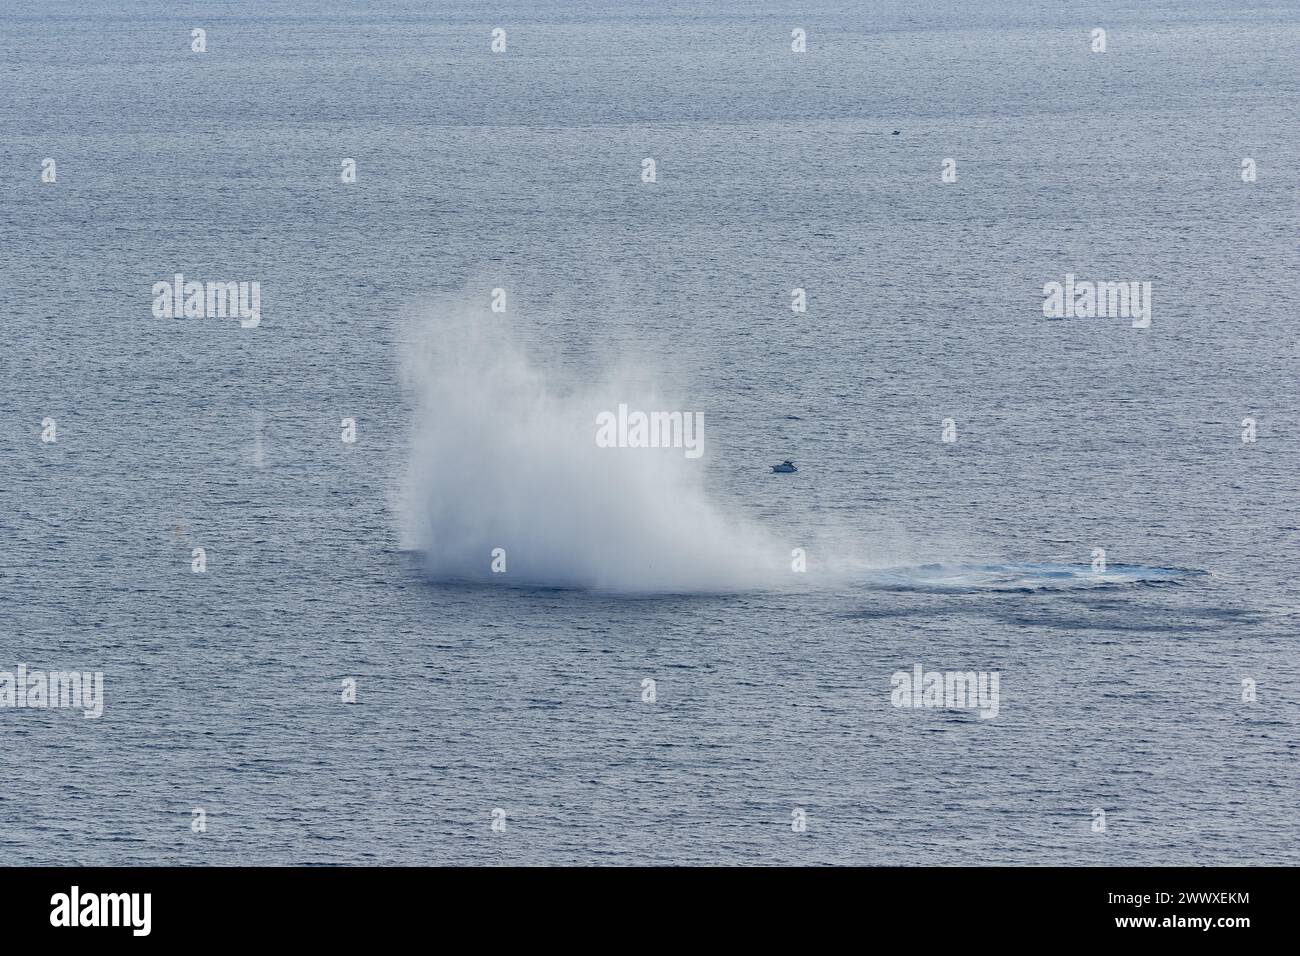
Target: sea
[363,586]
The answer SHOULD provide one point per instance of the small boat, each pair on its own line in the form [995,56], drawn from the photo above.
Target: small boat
[785,468]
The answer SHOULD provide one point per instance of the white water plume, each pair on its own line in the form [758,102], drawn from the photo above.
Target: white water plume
[504,455]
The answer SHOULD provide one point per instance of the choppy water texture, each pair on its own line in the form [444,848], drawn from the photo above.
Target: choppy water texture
[1120,689]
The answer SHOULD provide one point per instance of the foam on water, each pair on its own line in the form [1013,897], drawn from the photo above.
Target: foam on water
[1022,577]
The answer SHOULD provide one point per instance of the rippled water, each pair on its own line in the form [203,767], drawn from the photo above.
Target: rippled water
[1121,685]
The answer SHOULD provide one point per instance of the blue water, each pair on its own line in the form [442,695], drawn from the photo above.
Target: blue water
[1121,689]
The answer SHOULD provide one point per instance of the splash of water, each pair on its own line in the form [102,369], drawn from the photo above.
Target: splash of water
[504,456]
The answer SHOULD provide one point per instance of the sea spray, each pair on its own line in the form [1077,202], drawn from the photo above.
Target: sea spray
[508,485]
[505,470]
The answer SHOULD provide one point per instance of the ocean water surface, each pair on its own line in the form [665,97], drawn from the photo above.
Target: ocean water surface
[1120,673]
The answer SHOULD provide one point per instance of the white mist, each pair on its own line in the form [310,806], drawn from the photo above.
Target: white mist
[504,455]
